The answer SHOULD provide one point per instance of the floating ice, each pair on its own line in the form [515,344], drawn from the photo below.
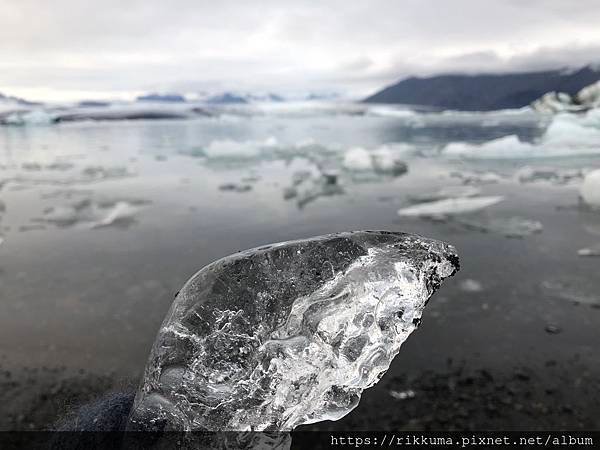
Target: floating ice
[590,251]
[529,174]
[573,289]
[288,334]
[122,214]
[567,135]
[590,95]
[358,159]
[382,161]
[235,187]
[590,189]
[229,149]
[450,206]
[386,162]
[512,227]
[485,177]
[470,285]
[94,213]
[556,102]
[446,192]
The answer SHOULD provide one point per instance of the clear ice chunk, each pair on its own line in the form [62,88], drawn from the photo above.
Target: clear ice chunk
[287,334]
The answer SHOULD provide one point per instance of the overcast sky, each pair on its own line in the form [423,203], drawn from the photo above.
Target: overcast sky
[73,49]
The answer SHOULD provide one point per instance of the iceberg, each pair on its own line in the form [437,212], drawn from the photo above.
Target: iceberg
[590,189]
[510,227]
[287,334]
[449,206]
[381,161]
[529,174]
[567,135]
[229,149]
[557,102]
[357,159]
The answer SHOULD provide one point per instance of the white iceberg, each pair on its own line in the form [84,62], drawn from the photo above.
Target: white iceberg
[229,149]
[590,189]
[450,206]
[357,159]
[567,135]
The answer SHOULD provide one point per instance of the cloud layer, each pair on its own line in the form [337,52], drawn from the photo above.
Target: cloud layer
[113,48]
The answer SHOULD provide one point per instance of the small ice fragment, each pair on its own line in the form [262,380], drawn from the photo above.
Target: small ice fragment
[553,329]
[122,214]
[511,227]
[477,177]
[287,334]
[385,162]
[357,159]
[590,251]
[590,189]
[229,149]
[450,206]
[470,285]
[557,176]
[403,395]
[572,289]
[233,187]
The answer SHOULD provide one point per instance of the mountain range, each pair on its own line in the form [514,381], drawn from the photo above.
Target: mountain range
[485,92]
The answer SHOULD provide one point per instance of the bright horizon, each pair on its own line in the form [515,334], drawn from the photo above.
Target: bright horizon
[71,52]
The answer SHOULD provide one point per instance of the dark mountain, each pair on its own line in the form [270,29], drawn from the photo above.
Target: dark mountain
[484,92]
[92,104]
[164,98]
[226,98]
[17,100]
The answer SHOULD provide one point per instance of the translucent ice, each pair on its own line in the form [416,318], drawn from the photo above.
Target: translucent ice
[288,334]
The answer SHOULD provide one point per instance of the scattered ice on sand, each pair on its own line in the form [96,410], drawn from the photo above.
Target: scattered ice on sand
[450,206]
[470,285]
[572,289]
[553,329]
[403,395]
[590,251]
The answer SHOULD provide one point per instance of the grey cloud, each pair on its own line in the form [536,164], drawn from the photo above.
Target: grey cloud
[356,46]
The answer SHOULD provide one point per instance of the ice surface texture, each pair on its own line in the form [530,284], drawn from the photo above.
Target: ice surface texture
[288,334]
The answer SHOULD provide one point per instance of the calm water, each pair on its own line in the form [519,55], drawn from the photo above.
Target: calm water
[103,222]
